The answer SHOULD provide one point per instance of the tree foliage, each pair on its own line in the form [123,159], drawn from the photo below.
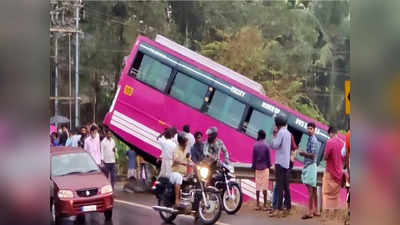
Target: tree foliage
[289,47]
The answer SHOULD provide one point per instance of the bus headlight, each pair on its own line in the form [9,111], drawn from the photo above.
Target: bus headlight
[204,173]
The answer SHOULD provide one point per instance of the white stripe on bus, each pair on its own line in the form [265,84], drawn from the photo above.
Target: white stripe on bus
[140,125]
[134,130]
[133,133]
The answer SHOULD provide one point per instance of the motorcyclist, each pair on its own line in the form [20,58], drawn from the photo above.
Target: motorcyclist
[213,146]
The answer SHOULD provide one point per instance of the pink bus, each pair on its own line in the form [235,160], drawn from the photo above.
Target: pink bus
[165,84]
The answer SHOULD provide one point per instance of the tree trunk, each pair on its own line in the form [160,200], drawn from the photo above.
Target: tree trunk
[187,35]
[332,82]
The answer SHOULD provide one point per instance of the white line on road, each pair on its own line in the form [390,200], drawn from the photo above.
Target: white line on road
[133,204]
[149,207]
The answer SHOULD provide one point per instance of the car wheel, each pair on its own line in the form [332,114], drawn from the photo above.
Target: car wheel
[54,220]
[108,215]
[80,219]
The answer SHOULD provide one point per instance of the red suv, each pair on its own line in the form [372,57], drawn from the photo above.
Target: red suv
[77,185]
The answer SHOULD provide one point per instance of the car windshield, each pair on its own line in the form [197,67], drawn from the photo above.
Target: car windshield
[73,163]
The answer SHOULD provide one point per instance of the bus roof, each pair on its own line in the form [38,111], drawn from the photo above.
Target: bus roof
[210,63]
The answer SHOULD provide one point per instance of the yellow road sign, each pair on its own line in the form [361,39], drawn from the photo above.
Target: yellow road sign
[347,96]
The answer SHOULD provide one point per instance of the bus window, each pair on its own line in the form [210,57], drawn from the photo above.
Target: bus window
[259,121]
[226,109]
[188,90]
[151,71]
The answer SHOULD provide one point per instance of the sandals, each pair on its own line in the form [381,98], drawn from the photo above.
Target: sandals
[267,209]
[306,217]
[274,214]
[258,208]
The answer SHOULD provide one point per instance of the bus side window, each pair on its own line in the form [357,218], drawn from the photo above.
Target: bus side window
[225,109]
[188,90]
[256,121]
[150,71]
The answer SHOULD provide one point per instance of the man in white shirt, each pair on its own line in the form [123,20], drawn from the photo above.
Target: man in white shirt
[92,146]
[108,150]
[167,149]
[189,137]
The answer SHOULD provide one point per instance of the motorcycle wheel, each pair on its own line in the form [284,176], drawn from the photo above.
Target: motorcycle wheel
[211,214]
[231,206]
[167,217]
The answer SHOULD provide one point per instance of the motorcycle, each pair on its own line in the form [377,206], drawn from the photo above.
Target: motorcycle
[198,199]
[231,193]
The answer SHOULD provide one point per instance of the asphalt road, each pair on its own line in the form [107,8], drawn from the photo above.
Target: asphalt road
[135,209]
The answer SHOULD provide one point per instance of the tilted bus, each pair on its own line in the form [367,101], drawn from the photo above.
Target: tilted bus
[164,84]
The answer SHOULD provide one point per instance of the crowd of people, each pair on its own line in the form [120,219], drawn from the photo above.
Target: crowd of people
[98,142]
[336,155]
[181,150]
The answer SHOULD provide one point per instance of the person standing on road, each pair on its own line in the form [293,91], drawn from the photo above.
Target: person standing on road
[309,173]
[287,201]
[333,175]
[84,134]
[109,150]
[189,136]
[92,145]
[196,152]
[143,169]
[132,165]
[74,139]
[261,164]
[281,143]
[64,135]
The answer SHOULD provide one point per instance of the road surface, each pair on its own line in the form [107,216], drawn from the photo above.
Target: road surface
[135,209]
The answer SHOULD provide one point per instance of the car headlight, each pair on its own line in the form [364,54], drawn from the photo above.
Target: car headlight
[204,173]
[106,189]
[65,194]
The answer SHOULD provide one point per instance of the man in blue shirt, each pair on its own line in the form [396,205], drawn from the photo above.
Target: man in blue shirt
[309,173]
[281,143]
[196,151]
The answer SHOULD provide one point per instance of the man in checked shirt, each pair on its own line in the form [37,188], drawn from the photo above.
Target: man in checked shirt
[309,173]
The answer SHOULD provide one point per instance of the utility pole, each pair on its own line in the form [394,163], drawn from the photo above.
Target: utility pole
[69,76]
[56,75]
[77,6]
[64,17]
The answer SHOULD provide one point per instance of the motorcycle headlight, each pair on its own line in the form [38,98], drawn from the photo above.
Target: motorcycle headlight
[204,173]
